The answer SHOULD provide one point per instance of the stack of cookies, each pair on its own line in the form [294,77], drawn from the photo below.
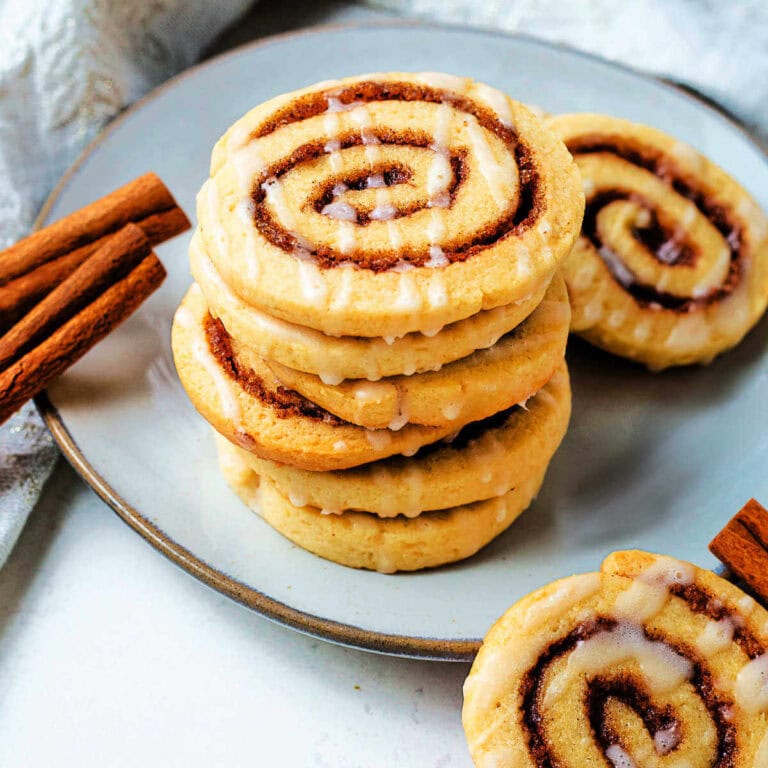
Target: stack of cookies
[377,326]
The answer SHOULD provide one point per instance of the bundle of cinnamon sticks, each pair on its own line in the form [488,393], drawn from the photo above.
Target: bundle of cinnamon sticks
[65,287]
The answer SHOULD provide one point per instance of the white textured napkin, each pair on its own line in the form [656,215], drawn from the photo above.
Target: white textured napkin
[720,47]
[66,68]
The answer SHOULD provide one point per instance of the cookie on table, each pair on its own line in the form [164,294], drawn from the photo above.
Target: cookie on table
[671,267]
[362,540]
[485,459]
[336,358]
[470,389]
[650,662]
[386,204]
[252,409]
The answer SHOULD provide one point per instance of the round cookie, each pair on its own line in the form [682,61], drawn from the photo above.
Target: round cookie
[651,662]
[470,389]
[252,409]
[485,459]
[388,203]
[671,267]
[336,358]
[361,540]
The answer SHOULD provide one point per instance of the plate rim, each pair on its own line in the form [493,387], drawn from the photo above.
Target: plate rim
[330,630]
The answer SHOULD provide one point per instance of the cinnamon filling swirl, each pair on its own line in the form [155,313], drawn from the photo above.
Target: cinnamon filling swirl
[600,689]
[289,403]
[341,194]
[285,402]
[670,246]
[663,724]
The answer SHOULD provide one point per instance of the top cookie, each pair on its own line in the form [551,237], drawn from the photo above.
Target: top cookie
[384,204]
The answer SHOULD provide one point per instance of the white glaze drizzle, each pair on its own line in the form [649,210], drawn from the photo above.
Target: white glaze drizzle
[408,297]
[440,173]
[489,168]
[332,125]
[497,101]
[202,354]
[663,668]
[401,419]
[375,181]
[667,739]
[649,591]
[335,104]
[429,333]
[452,410]
[384,210]
[617,267]
[378,438]
[619,757]
[437,258]
[717,635]
[340,211]
[751,689]
[248,165]
[523,261]
[275,195]
[437,293]
[347,238]
[313,287]
[331,378]
[343,295]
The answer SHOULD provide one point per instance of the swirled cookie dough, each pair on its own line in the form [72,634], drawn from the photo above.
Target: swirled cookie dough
[469,389]
[485,459]
[336,358]
[385,204]
[362,540]
[252,409]
[650,662]
[671,267]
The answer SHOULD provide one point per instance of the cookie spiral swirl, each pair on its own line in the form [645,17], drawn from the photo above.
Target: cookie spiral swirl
[382,204]
[651,662]
[672,265]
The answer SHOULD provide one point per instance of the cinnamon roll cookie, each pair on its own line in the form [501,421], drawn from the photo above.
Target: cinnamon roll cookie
[249,406]
[386,204]
[337,358]
[671,266]
[651,662]
[484,459]
[363,540]
[473,388]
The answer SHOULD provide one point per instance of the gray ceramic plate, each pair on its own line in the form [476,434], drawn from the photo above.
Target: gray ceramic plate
[653,461]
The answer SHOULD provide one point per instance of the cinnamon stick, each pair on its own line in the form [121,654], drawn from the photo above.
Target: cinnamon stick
[118,256]
[743,546]
[131,271]
[33,266]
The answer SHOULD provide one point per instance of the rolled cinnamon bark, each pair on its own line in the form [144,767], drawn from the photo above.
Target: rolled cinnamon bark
[120,254]
[82,311]
[31,268]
